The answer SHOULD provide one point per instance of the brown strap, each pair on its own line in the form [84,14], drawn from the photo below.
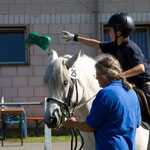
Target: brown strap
[143,101]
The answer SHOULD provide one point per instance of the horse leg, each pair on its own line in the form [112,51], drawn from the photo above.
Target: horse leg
[88,141]
[141,139]
[148,147]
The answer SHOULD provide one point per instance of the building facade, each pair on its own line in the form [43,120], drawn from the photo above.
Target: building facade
[21,71]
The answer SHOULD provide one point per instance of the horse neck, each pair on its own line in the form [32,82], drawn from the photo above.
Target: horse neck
[89,93]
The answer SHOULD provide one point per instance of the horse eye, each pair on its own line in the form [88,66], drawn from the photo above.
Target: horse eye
[65,82]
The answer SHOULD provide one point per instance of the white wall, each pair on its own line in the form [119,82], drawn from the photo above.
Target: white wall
[50,17]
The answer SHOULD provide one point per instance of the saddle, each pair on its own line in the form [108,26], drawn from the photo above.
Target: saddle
[144,100]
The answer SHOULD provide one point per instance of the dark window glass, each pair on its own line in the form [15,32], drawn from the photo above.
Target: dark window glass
[12,46]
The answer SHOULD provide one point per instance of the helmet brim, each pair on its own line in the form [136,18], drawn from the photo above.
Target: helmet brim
[107,25]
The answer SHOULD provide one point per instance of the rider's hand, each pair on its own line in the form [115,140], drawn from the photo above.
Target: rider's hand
[68,36]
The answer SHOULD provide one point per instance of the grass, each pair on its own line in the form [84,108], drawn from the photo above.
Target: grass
[65,138]
[61,135]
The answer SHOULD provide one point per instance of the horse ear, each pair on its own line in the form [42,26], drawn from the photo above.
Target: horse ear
[72,60]
[53,55]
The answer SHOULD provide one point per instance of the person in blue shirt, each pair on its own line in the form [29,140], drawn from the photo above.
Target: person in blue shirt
[115,112]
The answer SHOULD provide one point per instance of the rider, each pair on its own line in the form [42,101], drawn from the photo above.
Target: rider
[126,51]
[115,112]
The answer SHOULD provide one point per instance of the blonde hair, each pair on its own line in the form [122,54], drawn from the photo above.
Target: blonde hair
[110,69]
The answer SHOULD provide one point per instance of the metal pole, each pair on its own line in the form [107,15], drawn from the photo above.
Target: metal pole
[96,22]
[23,103]
[47,134]
[96,12]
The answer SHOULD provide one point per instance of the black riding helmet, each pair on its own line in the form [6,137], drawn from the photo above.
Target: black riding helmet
[121,22]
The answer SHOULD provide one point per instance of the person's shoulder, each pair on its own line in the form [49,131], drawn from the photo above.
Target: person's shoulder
[106,90]
[131,43]
[132,91]
[113,87]
[131,47]
[102,93]
[107,96]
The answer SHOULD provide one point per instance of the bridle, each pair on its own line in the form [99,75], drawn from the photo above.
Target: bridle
[67,100]
[66,105]
[70,94]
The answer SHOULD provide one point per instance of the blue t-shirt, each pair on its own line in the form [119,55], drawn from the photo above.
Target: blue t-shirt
[115,115]
[129,56]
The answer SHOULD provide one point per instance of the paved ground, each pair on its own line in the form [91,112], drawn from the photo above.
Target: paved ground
[34,146]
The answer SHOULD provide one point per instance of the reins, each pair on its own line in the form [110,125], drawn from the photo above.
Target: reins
[74,132]
[78,106]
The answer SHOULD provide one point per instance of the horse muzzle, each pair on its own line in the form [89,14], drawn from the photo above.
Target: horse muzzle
[52,123]
[53,120]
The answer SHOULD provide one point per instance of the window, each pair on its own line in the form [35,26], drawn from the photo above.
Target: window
[12,45]
[140,36]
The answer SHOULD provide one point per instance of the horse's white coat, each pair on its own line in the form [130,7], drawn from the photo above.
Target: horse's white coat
[142,136]
[87,87]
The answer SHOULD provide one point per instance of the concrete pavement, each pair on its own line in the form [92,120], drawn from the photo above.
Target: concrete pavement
[35,146]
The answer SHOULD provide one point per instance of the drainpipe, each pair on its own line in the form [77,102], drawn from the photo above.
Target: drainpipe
[96,23]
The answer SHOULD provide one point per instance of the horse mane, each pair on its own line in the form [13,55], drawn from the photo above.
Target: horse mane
[57,72]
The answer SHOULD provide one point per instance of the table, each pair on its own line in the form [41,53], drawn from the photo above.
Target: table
[16,111]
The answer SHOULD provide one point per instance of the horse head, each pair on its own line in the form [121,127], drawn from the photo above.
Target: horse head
[60,78]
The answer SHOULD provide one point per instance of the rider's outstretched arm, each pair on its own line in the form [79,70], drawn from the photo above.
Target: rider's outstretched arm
[86,41]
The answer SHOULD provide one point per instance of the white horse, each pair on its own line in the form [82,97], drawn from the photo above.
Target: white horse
[59,78]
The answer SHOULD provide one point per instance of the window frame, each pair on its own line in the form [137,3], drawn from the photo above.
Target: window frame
[24,28]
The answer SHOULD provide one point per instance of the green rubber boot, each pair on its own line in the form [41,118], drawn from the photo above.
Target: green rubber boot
[40,40]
